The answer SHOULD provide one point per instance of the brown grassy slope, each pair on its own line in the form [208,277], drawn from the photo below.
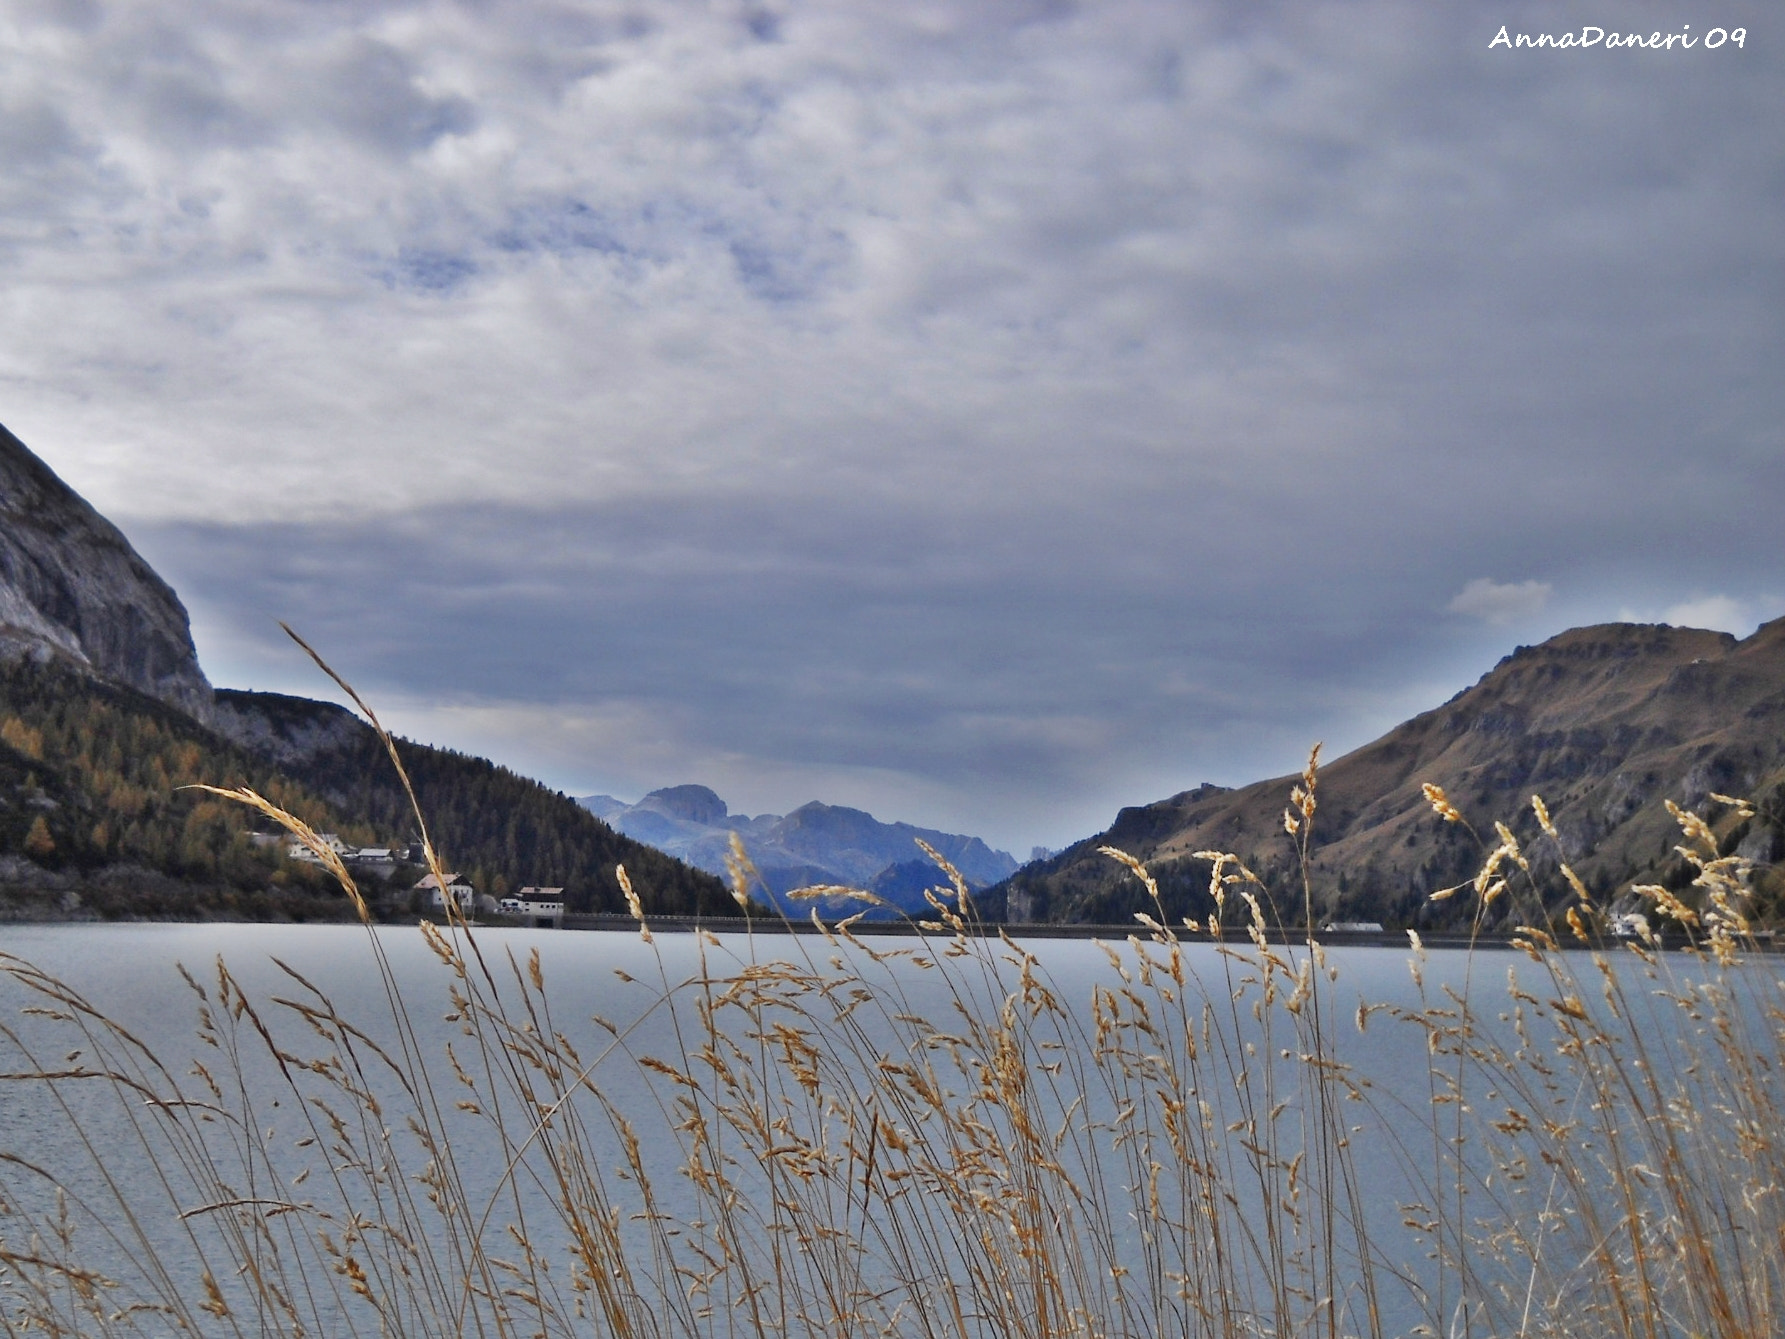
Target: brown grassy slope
[1606,722]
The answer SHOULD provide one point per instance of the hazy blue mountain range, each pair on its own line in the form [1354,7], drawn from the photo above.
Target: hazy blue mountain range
[815,844]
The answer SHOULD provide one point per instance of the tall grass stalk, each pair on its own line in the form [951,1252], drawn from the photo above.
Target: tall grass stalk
[789,1136]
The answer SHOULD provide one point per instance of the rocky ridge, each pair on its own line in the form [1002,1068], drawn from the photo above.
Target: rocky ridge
[1607,723]
[73,589]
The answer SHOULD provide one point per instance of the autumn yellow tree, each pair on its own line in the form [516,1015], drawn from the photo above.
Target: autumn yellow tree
[38,842]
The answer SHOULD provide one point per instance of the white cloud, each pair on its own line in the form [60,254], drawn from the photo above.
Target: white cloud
[1719,612]
[1500,602]
[1735,614]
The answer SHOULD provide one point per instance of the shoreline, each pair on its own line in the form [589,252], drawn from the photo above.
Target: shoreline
[610,923]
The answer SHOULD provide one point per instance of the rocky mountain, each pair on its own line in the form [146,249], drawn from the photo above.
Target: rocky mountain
[106,718]
[815,844]
[72,589]
[1607,723]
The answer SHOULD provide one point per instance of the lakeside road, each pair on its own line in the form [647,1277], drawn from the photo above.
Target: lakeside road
[1237,935]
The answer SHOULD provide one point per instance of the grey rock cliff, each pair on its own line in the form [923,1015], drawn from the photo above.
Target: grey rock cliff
[72,588]
[290,731]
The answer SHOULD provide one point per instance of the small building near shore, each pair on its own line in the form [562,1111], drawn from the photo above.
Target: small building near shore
[299,851]
[537,906]
[454,887]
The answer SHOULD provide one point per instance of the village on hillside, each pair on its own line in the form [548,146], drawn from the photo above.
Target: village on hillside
[531,905]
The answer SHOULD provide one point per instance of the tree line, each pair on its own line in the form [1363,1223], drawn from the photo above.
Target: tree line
[93,777]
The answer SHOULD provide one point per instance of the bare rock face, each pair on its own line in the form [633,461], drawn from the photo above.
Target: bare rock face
[72,588]
[290,731]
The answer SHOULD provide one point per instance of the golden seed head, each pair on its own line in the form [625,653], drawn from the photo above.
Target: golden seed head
[632,903]
[1440,803]
[1577,924]
[1539,808]
[1742,807]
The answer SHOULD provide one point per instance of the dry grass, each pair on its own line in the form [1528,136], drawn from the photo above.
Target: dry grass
[823,1150]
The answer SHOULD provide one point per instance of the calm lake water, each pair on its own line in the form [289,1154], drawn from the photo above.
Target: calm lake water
[99,1143]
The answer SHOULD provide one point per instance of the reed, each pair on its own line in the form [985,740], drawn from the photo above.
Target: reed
[826,1135]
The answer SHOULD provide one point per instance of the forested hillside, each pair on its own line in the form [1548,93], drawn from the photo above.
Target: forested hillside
[499,829]
[93,816]
[90,796]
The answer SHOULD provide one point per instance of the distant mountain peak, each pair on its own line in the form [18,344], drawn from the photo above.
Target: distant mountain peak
[694,804]
[73,589]
[816,843]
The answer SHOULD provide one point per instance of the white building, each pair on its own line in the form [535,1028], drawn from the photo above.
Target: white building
[298,851]
[536,905]
[461,893]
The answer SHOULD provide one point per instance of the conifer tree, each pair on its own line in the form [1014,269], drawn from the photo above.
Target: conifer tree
[38,842]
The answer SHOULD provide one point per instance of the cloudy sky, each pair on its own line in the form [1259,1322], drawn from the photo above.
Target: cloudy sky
[984,412]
